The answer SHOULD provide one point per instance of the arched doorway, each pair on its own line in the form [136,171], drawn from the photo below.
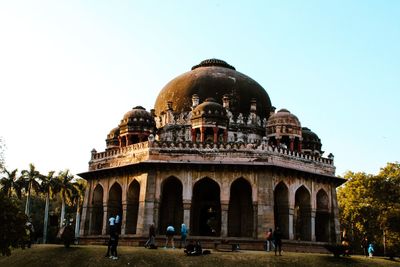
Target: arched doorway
[206,208]
[114,204]
[240,213]
[302,215]
[281,208]
[171,206]
[97,211]
[132,207]
[322,226]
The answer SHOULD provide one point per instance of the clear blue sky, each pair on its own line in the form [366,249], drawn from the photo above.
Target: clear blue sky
[69,70]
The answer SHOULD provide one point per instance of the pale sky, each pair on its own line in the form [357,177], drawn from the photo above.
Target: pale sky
[70,70]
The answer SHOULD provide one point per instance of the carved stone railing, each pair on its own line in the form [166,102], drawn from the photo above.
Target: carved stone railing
[223,152]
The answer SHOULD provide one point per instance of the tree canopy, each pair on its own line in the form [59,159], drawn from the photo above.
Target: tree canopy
[370,205]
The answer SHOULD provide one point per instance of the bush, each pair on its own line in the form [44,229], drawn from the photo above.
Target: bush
[337,249]
[12,221]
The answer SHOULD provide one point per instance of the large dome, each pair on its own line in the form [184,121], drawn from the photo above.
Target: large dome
[214,78]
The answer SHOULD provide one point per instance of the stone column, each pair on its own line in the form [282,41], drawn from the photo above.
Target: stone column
[193,131]
[335,215]
[291,145]
[255,219]
[224,218]
[187,204]
[123,222]
[105,219]
[313,224]
[215,130]
[225,135]
[86,214]
[202,129]
[291,215]
[90,212]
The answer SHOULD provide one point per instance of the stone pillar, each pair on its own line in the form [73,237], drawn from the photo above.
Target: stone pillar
[90,212]
[105,219]
[224,218]
[193,131]
[215,130]
[335,215]
[291,145]
[255,220]
[123,222]
[291,215]
[86,214]
[187,204]
[300,142]
[127,140]
[313,224]
[202,130]
[225,135]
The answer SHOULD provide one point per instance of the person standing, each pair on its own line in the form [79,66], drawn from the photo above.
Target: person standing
[112,231]
[364,245]
[118,224]
[184,233]
[170,236]
[371,250]
[277,237]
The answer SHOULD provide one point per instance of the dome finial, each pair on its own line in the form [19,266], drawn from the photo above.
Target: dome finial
[213,62]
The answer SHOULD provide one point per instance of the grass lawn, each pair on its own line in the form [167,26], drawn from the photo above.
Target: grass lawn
[57,255]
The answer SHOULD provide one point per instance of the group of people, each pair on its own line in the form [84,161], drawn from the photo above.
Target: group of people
[169,240]
[368,247]
[114,230]
[274,241]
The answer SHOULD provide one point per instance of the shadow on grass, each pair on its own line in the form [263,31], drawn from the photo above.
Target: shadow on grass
[340,260]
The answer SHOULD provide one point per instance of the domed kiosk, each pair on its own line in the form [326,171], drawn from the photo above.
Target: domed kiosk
[214,155]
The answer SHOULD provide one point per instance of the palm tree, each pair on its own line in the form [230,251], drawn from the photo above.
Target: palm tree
[49,186]
[30,176]
[9,181]
[77,199]
[66,188]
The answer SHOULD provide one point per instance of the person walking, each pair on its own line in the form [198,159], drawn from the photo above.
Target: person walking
[184,233]
[269,242]
[277,237]
[150,243]
[170,236]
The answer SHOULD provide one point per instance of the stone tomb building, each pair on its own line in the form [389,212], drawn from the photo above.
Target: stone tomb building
[215,155]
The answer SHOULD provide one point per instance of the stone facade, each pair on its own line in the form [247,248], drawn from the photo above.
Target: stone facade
[206,162]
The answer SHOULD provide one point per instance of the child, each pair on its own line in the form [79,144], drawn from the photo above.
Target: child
[371,250]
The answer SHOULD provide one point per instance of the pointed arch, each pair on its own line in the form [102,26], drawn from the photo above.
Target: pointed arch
[281,208]
[240,212]
[302,214]
[171,206]
[206,208]
[322,222]
[96,224]
[114,204]
[132,207]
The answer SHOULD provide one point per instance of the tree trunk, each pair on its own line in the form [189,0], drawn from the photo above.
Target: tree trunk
[62,211]
[46,218]
[28,198]
[77,221]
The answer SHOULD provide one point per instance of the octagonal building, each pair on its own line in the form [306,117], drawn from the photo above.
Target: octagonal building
[215,155]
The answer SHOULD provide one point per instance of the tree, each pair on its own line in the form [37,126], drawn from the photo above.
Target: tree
[2,148]
[48,186]
[66,187]
[30,176]
[77,199]
[12,222]
[369,204]
[8,182]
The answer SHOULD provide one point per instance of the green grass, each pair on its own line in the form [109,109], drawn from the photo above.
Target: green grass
[57,255]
